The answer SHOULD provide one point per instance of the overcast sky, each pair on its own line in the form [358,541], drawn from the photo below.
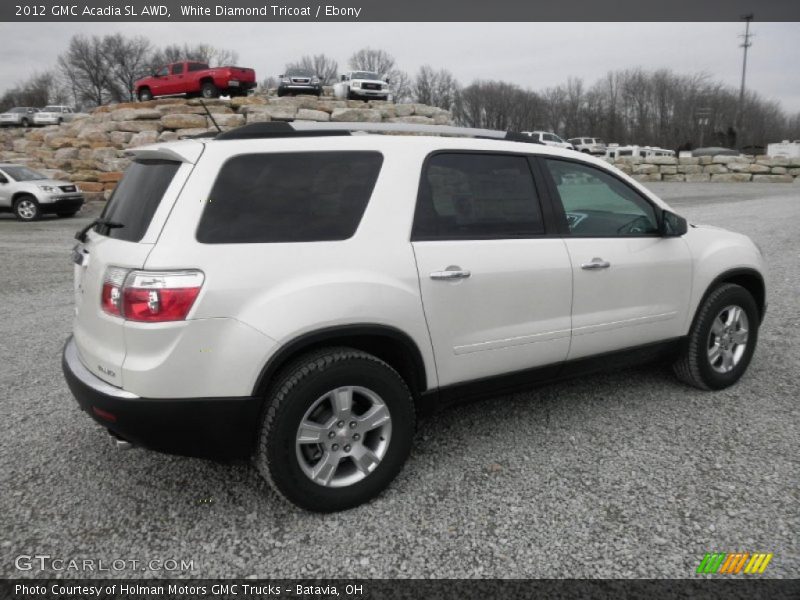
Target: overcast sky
[534,55]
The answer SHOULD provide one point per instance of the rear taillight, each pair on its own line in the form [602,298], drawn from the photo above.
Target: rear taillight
[149,296]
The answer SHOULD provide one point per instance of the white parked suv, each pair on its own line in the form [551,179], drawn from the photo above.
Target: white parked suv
[589,145]
[297,293]
[548,139]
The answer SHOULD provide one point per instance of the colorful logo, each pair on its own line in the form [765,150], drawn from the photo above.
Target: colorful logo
[723,563]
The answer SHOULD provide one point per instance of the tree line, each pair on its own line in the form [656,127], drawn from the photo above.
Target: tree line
[630,106]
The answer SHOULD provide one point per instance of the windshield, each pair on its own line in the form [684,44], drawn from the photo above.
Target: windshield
[19,173]
[51,109]
[19,109]
[364,75]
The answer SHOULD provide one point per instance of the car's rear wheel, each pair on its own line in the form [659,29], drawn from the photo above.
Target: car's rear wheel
[26,208]
[336,429]
[722,339]
[145,94]
[209,90]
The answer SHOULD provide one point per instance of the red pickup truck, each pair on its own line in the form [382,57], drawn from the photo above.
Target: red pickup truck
[195,78]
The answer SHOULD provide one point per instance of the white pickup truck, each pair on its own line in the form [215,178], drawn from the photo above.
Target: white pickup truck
[362,85]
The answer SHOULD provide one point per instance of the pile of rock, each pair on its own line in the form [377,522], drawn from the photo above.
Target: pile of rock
[728,169]
[92,151]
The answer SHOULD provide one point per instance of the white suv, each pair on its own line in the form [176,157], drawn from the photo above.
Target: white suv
[548,139]
[298,292]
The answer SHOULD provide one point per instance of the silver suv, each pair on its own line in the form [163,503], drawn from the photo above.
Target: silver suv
[30,194]
[589,145]
[298,293]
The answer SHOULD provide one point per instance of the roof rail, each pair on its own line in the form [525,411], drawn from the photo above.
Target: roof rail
[274,129]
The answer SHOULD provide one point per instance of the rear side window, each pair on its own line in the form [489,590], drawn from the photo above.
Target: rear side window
[136,198]
[177,69]
[289,197]
[476,196]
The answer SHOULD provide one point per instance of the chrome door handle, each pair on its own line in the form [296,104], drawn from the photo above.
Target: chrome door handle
[597,263]
[451,273]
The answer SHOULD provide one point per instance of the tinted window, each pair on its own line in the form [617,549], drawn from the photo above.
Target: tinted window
[292,197]
[197,66]
[177,69]
[598,204]
[136,198]
[476,196]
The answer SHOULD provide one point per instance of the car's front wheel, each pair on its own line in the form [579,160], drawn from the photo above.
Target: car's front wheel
[145,94]
[336,430]
[26,208]
[722,339]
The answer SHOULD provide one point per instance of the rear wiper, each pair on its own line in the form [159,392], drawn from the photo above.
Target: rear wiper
[81,235]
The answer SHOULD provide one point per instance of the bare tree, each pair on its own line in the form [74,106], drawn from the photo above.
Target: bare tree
[437,88]
[326,68]
[129,60]
[204,53]
[370,59]
[38,90]
[85,65]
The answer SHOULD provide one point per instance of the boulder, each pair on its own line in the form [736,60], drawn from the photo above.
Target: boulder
[111,177]
[193,131]
[679,177]
[404,110]
[66,153]
[275,113]
[247,101]
[668,169]
[184,121]
[167,136]
[647,176]
[228,120]
[661,160]
[689,160]
[423,110]
[89,186]
[143,138]
[690,168]
[773,179]
[120,138]
[104,154]
[360,115]
[308,114]
[779,170]
[331,105]
[704,160]
[715,169]
[758,168]
[697,177]
[134,114]
[739,167]
[795,172]
[645,169]
[730,177]
[139,126]
[722,159]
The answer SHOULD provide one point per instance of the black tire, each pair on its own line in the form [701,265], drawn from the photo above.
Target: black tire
[209,90]
[26,208]
[145,94]
[350,95]
[25,122]
[296,390]
[694,365]
[67,215]
[60,121]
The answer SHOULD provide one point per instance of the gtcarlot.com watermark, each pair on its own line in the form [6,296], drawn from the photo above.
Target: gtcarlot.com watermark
[49,563]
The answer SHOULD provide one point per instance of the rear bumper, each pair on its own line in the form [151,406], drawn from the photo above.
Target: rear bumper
[202,427]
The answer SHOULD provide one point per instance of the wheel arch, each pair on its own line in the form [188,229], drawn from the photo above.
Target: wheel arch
[748,278]
[20,194]
[389,344]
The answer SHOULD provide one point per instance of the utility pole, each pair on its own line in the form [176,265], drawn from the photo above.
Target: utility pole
[745,44]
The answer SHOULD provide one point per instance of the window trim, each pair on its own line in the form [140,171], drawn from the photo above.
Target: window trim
[548,219]
[284,152]
[557,206]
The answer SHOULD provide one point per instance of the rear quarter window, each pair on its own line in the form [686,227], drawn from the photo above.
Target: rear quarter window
[136,198]
[289,197]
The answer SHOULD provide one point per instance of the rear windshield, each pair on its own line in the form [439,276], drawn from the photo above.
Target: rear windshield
[289,197]
[136,198]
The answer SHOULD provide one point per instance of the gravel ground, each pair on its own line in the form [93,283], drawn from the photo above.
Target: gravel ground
[627,474]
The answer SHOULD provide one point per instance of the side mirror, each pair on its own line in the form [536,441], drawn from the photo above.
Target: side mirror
[673,225]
